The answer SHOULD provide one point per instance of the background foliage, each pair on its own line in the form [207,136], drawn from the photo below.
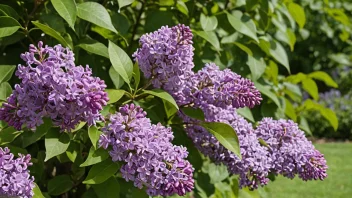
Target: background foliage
[288,48]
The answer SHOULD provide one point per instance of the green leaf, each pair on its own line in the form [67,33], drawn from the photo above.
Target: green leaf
[325,112]
[246,113]
[251,4]
[182,7]
[8,11]
[121,62]
[6,72]
[208,23]
[311,87]
[279,54]
[264,44]
[262,142]
[163,95]
[101,172]
[114,95]
[217,173]
[56,143]
[96,14]
[244,48]
[266,91]
[288,37]
[303,124]
[243,25]
[108,189]
[116,78]
[330,116]
[59,184]
[323,76]
[297,13]
[195,113]
[225,134]
[37,192]
[296,78]
[8,26]
[257,66]
[170,110]
[5,91]
[67,10]
[94,135]
[78,127]
[123,3]
[51,32]
[210,37]
[95,156]
[136,75]
[73,150]
[9,134]
[94,47]
[30,137]
[290,110]
[15,150]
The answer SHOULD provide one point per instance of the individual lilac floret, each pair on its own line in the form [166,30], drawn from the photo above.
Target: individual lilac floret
[151,161]
[166,57]
[254,167]
[290,150]
[15,180]
[52,86]
[221,88]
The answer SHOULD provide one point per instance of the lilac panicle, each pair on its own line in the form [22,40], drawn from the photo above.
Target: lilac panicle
[166,57]
[291,152]
[254,166]
[15,180]
[221,88]
[52,86]
[151,160]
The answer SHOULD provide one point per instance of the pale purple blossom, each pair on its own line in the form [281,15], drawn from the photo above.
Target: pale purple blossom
[52,86]
[166,57]
[150,159]
[221,88]
[15,180]
[291,153]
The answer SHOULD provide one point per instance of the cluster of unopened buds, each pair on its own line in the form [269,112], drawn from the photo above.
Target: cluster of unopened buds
[53,86]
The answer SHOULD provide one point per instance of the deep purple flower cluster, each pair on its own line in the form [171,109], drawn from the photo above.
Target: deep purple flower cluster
[219,88]
[52,86]
[254,166]
[151,160]
[15,180]
[166,57]
[290,150]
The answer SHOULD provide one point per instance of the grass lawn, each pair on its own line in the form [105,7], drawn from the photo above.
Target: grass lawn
[338,184]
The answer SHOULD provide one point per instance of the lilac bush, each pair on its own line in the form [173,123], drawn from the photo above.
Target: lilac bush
[150,159]
[15,180]
[52,86]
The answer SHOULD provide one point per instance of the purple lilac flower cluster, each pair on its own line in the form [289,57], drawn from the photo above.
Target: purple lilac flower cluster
[15,180]
[219,88]
[166,57]
[52,86]
[151,160]
[290,150]
[219,93]
[254,166]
